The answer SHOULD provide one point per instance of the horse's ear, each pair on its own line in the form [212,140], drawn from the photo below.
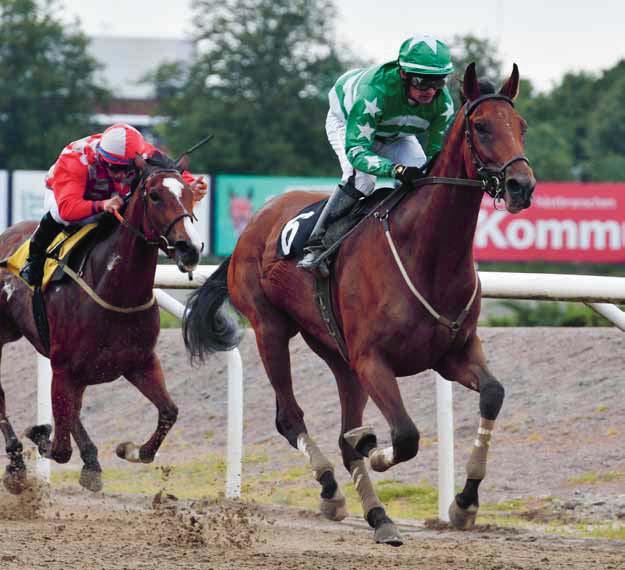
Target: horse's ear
[470,85]
[183,163]
[140,163]
[511,87]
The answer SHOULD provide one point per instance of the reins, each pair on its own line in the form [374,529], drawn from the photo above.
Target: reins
[141,235]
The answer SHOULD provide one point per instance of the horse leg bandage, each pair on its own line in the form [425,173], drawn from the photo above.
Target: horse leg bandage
[381,458]
[318,461]
[476,466]
[364,486]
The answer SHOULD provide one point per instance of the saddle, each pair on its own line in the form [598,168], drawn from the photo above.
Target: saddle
[297,230]
[65,247]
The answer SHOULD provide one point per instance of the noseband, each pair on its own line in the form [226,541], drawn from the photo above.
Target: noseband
[493,178]
[162,238]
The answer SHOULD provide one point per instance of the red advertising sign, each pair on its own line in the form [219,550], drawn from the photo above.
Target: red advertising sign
[568,221]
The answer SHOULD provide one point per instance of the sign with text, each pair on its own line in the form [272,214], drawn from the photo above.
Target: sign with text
[568,221]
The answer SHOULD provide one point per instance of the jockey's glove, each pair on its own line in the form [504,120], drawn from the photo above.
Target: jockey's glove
[407,174]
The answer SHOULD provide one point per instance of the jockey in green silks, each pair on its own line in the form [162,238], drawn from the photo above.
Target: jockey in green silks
[374,116]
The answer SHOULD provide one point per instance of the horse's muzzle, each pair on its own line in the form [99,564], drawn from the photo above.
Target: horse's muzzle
[187,256]
[519,190]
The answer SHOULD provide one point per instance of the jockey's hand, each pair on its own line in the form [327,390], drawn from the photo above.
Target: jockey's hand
[199,189]
[407,174]
[112,204]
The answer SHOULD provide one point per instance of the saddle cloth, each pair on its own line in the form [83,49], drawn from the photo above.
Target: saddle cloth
[59,249]
[296,231]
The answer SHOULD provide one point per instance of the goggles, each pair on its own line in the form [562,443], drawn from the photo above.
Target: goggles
[119,167]
[425,82]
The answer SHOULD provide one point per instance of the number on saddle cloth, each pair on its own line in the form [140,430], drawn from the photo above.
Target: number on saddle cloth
[296,231]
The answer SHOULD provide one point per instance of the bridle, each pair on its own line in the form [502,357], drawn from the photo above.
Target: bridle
[162,241]
[493,178]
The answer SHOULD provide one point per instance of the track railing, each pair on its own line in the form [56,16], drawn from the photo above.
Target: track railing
[598,292]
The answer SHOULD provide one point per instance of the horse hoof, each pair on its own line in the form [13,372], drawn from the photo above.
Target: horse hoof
[14,481]
[334,509]
[131,452]
[357,437]
[40,436]
[387,533]
[91,480]
[462,519]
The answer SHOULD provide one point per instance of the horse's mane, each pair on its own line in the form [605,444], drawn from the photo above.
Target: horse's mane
[161,160]
[158,161]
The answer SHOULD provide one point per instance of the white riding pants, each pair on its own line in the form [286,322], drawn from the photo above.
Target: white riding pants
[404,150]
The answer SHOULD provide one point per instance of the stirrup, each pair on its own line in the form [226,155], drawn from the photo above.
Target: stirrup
[32,272]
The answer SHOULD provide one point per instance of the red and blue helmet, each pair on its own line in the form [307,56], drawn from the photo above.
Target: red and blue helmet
[120,144]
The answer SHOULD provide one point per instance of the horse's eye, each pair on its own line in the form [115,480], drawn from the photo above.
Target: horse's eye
[481,128]
[155,196]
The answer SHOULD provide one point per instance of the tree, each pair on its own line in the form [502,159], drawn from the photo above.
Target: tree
[482,51]
[260,85]
[47,88]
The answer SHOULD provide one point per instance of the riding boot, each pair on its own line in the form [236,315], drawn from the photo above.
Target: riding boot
[46,231]
[339,204]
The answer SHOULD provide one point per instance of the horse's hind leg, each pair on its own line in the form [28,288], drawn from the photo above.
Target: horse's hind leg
[353,401]
[273,332]
[469,368]
[15,474]
[91,473]
[149,380]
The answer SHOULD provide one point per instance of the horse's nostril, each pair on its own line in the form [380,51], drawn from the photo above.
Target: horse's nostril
[513,186]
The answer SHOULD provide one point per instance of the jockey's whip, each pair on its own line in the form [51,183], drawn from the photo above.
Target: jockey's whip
[196,146]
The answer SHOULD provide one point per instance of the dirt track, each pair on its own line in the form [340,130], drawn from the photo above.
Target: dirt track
[563,418]
[104,532]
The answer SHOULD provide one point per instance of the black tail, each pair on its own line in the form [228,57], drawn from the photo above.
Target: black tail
[209,325]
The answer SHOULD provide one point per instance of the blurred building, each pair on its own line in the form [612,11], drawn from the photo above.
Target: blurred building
[126,64]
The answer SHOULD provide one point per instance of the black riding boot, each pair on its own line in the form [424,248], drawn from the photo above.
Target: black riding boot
[48,228]
[339,204]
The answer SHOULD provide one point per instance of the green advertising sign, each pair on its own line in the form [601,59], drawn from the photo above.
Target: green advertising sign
[237,197]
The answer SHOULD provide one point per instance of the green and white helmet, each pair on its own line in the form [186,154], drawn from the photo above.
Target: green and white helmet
[425,55]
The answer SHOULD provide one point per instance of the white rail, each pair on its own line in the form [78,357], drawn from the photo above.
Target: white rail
[596,291]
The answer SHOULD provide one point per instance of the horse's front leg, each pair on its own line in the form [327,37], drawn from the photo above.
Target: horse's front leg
[469,368]
[150,381]
[64,398]
[91,473]
[379,381]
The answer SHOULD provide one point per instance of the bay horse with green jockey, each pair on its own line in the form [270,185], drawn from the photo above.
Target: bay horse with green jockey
[104,325]
[406,296]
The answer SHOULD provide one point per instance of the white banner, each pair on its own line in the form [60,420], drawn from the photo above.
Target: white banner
[28,191]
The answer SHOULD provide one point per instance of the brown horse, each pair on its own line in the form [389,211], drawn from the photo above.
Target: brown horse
[395,303]
[92,344]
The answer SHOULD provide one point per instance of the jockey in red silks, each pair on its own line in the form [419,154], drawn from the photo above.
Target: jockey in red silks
[90,176]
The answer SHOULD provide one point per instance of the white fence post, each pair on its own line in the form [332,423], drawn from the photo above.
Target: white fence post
[235,425]
[235,403]
[445,427]
[44,409]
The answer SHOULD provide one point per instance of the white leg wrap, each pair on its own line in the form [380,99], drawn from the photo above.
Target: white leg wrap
[476,466]
[318,461]
[364,486]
